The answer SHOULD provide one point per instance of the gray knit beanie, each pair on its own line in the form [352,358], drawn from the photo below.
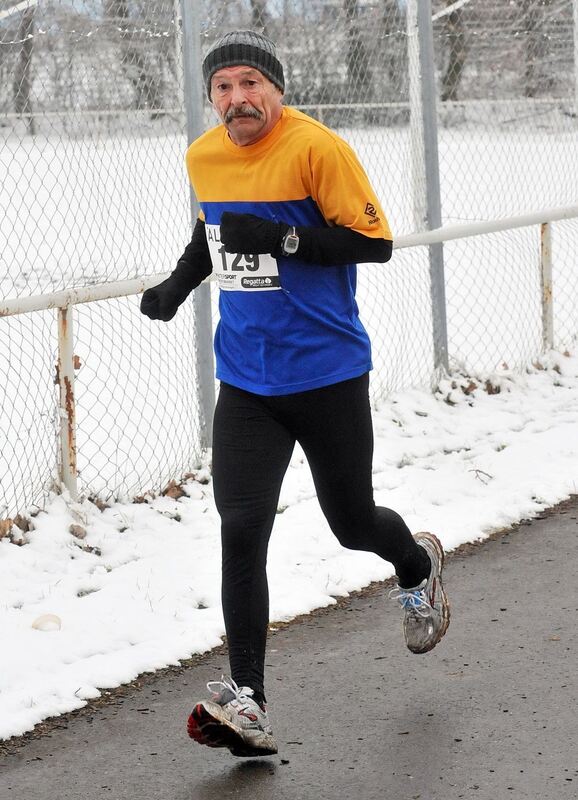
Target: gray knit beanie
[244,48]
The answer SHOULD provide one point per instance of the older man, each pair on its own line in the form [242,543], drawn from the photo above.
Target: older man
[286,214]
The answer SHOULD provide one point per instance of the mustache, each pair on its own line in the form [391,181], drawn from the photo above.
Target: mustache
[243,111]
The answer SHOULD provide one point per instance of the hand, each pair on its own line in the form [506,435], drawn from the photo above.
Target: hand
[162,301]
[246,233]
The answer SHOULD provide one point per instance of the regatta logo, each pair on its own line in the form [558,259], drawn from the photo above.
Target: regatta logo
[370,210]
[260,283]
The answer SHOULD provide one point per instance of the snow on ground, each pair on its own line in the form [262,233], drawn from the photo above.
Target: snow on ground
[141,591]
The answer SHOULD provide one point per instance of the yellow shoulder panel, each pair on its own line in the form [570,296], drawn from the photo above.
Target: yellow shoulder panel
[299,158]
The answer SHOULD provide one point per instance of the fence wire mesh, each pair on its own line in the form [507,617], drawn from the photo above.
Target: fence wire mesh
[28,411]
[137,415]
[93,190]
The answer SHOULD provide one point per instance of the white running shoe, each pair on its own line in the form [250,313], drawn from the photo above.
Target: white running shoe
[427,610]
[231,718]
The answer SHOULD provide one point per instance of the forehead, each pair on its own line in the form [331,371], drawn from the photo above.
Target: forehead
[227,73]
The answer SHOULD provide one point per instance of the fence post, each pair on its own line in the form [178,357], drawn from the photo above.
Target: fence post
[194,106]
[428,130]
[546,286]
[415,120]
[575,5]
[67,408]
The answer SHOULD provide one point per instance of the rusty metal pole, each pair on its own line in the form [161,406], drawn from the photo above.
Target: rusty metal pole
[68,472]
[546,286]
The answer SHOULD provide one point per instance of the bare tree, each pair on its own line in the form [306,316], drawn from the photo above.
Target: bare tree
[535,80]
[457,53]
[391,24]
[138,58]
[22,85]
[260,17]
[357,59]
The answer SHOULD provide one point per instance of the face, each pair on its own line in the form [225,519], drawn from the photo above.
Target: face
[248,104]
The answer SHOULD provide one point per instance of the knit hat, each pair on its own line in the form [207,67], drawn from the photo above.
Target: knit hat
[244,48]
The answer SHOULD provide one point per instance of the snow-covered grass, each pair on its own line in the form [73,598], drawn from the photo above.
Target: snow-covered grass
[142,589]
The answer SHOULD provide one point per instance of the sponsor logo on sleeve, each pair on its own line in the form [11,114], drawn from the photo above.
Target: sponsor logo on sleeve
[371,212]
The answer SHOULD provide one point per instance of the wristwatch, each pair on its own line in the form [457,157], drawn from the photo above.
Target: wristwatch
[290,242]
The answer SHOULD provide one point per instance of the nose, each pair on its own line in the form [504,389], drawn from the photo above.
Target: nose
[237,95]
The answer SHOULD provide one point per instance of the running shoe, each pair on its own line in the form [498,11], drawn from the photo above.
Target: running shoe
[427,610]
[231,718]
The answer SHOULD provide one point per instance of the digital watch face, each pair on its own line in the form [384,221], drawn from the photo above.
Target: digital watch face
[290,243]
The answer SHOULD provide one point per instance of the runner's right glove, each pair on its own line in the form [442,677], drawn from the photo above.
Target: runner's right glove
[163,300]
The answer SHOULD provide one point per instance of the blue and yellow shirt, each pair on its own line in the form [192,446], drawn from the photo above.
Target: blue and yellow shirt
[285,326]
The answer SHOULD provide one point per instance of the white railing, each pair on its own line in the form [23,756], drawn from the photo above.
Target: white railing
[64,300]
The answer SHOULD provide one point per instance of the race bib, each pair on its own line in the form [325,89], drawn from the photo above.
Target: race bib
[237,272]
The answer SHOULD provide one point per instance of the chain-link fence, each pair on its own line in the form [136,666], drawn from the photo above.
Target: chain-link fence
[93,190]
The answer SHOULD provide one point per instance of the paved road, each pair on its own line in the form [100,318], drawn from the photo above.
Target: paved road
[489,714]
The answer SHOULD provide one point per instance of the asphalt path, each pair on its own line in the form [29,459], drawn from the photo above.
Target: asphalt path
[490,714]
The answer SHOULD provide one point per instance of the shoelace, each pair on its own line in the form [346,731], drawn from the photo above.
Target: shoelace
[412,600]
[242,694]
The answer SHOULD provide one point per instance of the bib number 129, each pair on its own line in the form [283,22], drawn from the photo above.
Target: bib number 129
[241,272]
[238,262]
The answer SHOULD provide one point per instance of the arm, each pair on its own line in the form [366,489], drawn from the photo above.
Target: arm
[163,300]
[337,245]
[333,246]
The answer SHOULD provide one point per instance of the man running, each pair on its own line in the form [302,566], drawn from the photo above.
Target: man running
[287,212]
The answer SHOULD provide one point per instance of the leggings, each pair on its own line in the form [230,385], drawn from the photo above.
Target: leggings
[253,440]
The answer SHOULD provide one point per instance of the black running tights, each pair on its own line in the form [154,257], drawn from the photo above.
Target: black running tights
[253,440]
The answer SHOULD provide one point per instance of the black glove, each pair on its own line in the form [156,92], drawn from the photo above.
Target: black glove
[162,301]
[246,233]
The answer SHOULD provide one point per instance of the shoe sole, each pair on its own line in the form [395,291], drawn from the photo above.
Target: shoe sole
[206,725]
[445,609]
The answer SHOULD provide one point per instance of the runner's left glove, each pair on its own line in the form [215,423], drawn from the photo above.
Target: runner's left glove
[247,233]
